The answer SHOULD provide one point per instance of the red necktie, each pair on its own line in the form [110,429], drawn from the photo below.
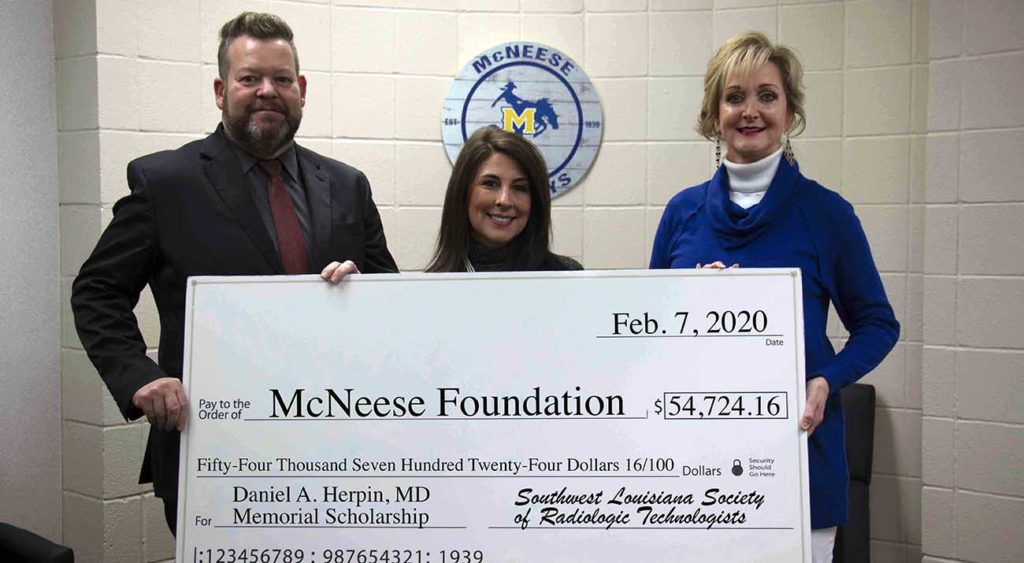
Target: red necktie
[290,241]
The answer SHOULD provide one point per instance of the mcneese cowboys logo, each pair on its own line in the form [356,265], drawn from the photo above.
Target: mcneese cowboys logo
[534,91]
[525,117]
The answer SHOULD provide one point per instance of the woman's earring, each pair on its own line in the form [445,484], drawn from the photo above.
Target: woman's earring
[788,152]
[718,152]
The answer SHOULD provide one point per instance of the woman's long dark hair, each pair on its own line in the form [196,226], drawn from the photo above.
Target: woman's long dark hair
[530,247]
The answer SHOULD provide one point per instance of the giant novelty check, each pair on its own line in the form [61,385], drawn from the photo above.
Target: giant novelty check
[474,418]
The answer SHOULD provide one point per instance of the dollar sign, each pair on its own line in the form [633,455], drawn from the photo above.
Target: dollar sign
[657,406]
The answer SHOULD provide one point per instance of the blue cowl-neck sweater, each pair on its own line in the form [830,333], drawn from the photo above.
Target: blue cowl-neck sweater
[797,224]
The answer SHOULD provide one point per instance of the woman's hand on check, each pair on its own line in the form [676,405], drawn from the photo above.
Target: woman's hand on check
[716,265]
[814,412]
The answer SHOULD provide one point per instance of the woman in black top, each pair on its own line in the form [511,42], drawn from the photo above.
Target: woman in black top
[497,209]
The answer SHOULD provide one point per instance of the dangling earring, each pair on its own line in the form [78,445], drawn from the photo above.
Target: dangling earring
[718,152]
[788,152]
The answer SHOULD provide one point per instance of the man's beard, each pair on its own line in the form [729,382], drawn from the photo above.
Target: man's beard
[260,139]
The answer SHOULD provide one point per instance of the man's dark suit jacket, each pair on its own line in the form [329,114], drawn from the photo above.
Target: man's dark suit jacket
[191,213]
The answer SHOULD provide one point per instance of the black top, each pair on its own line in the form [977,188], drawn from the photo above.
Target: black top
[508,259]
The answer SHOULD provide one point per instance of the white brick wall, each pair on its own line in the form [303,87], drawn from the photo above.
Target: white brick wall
[30,452]
[913,116]
[972,503]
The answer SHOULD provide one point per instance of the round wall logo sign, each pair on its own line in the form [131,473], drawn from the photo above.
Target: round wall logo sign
[534,91]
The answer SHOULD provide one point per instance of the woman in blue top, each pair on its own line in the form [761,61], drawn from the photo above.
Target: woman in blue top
[759,211]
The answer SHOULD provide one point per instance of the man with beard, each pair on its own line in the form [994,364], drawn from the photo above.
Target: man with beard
[244,201]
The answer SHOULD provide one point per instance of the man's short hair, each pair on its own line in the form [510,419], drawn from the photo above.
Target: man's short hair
[256,25]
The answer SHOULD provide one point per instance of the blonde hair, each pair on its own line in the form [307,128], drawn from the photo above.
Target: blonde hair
[739,56]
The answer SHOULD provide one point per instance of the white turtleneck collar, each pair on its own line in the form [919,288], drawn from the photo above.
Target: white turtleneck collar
[749,182]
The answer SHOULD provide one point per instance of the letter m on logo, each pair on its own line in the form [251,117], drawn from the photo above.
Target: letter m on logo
[518,122]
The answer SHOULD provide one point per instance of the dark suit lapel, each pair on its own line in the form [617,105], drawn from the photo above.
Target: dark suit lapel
[224,172]
[318,192]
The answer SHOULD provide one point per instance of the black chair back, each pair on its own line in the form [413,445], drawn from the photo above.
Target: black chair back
[853,540]
[23,546]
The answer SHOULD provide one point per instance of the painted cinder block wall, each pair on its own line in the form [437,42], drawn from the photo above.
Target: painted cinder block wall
[30,432]
[900,122]
[972,275]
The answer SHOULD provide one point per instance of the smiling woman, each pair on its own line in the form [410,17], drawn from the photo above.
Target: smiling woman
[758,210]
[499,201]
[497,209]
[753,114]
